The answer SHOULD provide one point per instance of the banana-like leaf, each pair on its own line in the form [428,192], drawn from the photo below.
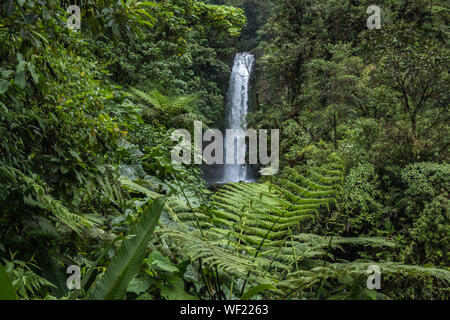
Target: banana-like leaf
[7,291]
[129,257]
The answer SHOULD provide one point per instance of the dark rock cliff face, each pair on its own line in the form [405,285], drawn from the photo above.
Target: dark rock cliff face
[212,173]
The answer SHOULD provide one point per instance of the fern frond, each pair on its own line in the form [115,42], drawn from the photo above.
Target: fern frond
[39,198]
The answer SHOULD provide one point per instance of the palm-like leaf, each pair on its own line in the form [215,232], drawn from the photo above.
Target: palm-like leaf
[129,257]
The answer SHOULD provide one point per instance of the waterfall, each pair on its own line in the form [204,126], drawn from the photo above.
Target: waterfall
[237,109]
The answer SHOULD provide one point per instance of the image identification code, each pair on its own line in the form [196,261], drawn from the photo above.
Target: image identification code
[228,309]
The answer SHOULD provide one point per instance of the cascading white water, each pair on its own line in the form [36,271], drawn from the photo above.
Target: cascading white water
[237,111]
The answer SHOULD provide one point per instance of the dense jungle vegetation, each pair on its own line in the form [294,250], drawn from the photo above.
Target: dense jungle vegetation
[86,176]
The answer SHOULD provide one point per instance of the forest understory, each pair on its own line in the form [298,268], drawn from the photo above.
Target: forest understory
[92,207]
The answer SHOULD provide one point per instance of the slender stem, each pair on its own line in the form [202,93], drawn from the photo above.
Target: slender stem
[211,294]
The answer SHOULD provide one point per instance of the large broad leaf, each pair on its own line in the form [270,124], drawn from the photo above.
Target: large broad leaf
[20,78]
[139,285]
[4,85]
[176,291]
[128,259]
[257,289]
[7,291]
[156,261]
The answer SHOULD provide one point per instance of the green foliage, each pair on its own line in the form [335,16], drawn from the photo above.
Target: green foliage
[128,259]
[186,51]
[85,124]
[378,99]
[68,133]
[35,196]
[178,108]
[255,290]
[27,284]
[254,232]
[361,203]
[417,67]
[426,205]
[7,292]
[395,277]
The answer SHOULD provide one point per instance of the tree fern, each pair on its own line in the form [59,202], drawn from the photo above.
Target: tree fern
[257,233]
[164,103]
[254,219]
